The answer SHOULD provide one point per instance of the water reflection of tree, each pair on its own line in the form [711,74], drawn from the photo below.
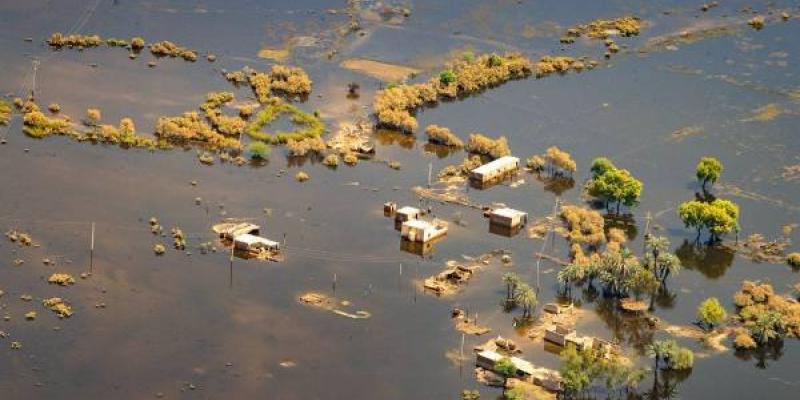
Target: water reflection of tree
[771,351]
[388,137]
[711,261]
[439,150]
[299,161]
[625,222]
[626,328]
[556,184]
[665,384]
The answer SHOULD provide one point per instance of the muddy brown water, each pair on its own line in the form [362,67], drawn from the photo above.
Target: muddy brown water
[195,327]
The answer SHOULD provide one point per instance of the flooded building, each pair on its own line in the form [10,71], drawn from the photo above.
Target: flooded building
[525,370]
[508,217]
[248,242]
[418,230]
[232,228]
[407,213]
[495,170]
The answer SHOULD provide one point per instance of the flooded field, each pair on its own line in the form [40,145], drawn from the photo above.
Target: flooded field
[308,116]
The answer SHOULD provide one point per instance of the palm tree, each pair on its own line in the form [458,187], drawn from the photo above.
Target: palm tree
[656,245]
[512,281]
[660,350]
[526,296]
[570,273]
[767,327]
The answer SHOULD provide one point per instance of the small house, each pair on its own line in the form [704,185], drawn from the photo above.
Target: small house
[508,217]
[417,230]
[495,169]
[407,213]
[248,242]
[389,208]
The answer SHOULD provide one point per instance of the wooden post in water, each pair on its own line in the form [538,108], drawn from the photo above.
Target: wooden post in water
[430,172]
[91,251]
[334,283]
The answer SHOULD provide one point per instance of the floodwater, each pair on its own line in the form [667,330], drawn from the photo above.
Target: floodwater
[199,326]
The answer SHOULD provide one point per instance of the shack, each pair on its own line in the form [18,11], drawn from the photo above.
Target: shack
[494,170]
[389,208]
[230,229]
[508,217]
[418,230]
[248,242]
[407,213]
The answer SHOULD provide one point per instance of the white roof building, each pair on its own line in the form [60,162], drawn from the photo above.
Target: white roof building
[417,230]
[495,169]
[252,242]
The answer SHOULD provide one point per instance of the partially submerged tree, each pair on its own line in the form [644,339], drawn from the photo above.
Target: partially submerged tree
[711,313]
[668,355]
[506,368]
[613,185]
[708,170]
[512,281]
[719,217]
[526,297]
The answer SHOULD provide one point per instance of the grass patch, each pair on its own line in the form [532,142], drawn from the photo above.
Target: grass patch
[309,125]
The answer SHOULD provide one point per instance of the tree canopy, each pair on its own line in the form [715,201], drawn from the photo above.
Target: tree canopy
[710,312]
[612,184]
[708,170]
[718,217]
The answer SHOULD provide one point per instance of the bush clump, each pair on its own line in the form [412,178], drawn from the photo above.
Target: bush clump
[259,150]
[5,112]
[39,125]
[793,259]
[76,40]
[167,48]
[331,160]
[302,176]
[304,146]
[484,145]
[767,315]
[442,135]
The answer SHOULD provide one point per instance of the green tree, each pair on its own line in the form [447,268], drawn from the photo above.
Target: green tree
[767,326]
[600,166]
[259,150]
[470,394]
[719,217]
[506,368]
[447,77]
[660,351]
[668,355]
[569,274]
[526,297]
[515,393]
[681,359]
[617,186]
[576,370]
[708,170]
[711,313]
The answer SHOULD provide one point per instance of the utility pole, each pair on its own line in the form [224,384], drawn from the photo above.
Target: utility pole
[33,85]
[91,251]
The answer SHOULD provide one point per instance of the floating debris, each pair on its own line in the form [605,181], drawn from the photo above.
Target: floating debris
[331,304]
[24,239]
[159,249]
[59,306]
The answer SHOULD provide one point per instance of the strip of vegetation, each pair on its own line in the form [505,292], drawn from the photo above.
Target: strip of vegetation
[394,105]
[604,28]
[309,125]
[281,79]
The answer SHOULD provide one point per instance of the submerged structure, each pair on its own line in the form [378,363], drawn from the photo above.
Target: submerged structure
[495,170]
[417,230]
[525,370]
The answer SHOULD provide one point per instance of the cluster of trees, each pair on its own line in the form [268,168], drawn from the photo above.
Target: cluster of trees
[167,48]
[621,274]
[717,216]
[585,371]
[554,161]
[395,105]
[520,293]
[212,107]
[442,135]
[613,185]
[484,145]
[764,314]
[304,146]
